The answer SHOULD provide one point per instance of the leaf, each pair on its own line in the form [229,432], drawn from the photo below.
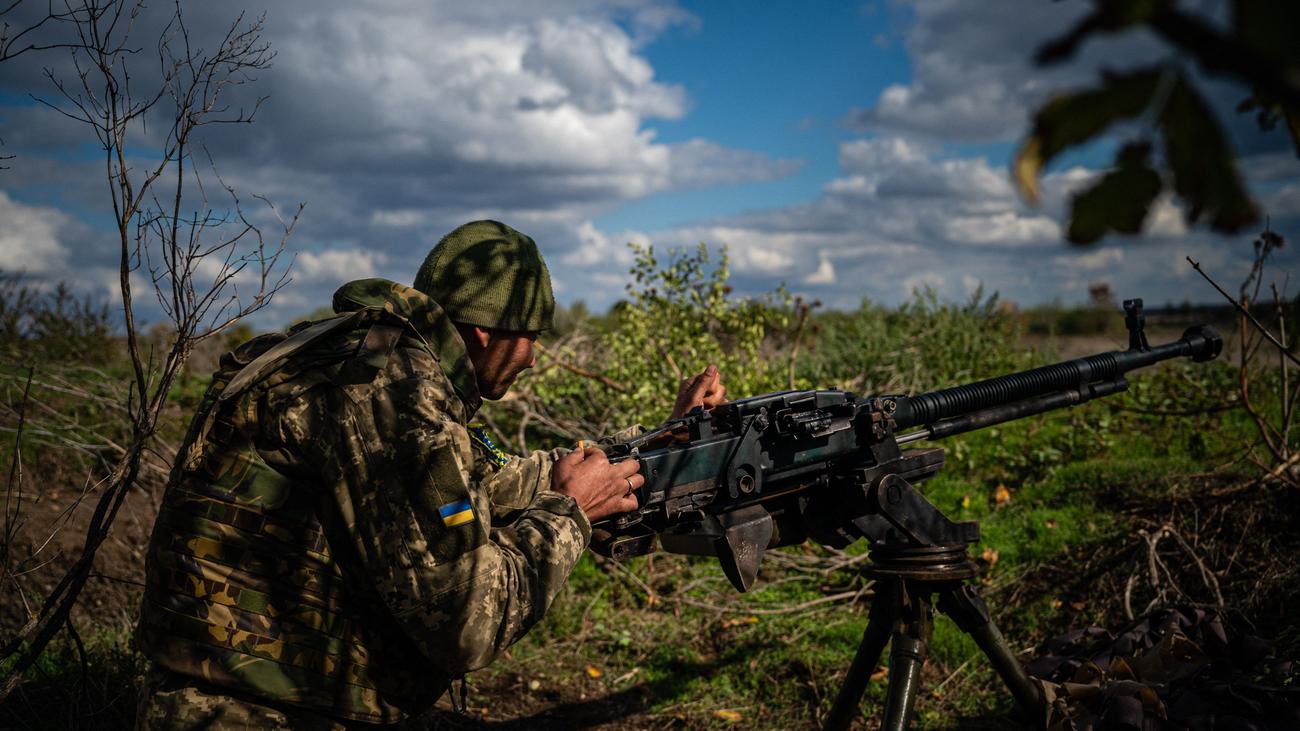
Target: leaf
[1267,28]
[1119,202]
[728,716]
[737,621]
[1049,524]
[1073,119]
[990,556]
[880,674]
[593,672]
[1203,165]
[1001,495]
[965,501]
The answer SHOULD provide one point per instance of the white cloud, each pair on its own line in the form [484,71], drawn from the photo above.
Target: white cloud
[336,266]
[511,99]
[972,72]
[1166,219]
[1004,227]
[30,238]
[1093,261]
[398,121]
[825,273]
[882,154]
[598,249]
[767,261]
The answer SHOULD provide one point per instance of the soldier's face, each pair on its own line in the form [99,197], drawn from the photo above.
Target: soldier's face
[499,356]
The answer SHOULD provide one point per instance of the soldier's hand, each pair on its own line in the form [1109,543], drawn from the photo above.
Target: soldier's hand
[703,389]
[601,489]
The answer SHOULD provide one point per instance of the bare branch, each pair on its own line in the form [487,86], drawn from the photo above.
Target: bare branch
[1245,312]
[148,201]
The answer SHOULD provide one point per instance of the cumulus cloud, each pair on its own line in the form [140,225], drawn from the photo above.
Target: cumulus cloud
[1092,261]
[30,239]
[337,265]
[906,217]
[824,274]
[1003,227]
[972,76]
[400,120]
[598,249]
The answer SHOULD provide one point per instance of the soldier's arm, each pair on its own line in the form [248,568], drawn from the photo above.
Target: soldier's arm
[397,468]
[511,487]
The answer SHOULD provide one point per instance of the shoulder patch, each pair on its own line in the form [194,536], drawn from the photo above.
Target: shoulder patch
[480,437]
[449,504]
[456,513]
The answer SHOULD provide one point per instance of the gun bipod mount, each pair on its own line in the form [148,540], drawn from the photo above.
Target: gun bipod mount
[917,570]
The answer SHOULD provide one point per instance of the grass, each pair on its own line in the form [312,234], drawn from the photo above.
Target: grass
[665,640]
[1076,481]
[63,693]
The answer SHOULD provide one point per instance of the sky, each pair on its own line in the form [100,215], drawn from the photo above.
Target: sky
[847,150]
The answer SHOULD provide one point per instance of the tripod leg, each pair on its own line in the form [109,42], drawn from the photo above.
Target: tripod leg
[906,658]
[880,622]
[968,610]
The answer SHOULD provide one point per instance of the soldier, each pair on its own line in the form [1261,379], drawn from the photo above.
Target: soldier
[336,542]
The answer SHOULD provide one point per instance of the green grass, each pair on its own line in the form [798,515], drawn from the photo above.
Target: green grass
[1074,479]
[61,693]
[1074,487]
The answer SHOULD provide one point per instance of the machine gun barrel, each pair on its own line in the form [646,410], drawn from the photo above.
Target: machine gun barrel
[974,405]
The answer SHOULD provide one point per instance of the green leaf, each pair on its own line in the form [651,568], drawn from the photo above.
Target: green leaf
[1073,119]
[1119,202]
[1204,166]
[1267,114]
[1268,28]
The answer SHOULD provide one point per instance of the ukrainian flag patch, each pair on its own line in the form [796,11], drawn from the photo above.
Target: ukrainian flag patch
[456,513]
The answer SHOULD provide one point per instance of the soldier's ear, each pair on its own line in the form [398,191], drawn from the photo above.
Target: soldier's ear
[476,338]
[482,336]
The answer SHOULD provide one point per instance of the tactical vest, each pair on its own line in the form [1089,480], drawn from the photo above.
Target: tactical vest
[244,590]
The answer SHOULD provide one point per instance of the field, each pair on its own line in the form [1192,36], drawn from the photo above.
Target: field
[1092,516]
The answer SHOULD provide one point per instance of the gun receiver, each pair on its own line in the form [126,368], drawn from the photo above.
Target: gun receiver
[826,465]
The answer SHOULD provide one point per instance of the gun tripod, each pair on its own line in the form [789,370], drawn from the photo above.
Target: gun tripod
[911,583]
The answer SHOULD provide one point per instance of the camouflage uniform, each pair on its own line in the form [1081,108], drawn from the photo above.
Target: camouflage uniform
[332,543]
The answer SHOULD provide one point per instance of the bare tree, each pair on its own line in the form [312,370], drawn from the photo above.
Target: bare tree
[1282,458]
[196,255]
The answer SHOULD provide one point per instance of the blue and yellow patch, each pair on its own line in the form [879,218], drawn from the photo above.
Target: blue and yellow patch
[494,454]
[456,513]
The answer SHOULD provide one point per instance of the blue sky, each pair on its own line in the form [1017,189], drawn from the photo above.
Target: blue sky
[845,149]
[775,77]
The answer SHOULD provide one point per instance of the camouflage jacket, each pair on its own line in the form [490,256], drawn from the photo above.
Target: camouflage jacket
[332,538]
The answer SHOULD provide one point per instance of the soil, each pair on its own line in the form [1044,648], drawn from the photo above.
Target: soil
[51,534]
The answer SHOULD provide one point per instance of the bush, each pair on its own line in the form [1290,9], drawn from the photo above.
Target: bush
[57,325]
[680,316]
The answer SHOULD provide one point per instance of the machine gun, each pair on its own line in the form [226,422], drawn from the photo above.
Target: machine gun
[828,466]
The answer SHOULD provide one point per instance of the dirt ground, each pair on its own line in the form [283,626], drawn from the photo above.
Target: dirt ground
[50,536]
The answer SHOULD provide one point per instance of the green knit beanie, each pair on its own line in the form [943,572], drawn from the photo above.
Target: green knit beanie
[488,274]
